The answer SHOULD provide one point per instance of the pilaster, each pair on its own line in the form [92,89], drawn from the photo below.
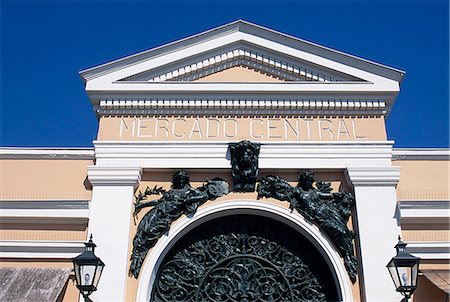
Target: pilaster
[378,228]
[109,223]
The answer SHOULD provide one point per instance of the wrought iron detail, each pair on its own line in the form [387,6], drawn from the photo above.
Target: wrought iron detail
[330,211]
[244,165]
[181,199]
[243,258]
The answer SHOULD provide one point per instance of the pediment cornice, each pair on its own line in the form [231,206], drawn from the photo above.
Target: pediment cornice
[284,69]
[307,74]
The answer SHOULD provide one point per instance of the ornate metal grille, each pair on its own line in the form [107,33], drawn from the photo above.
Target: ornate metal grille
[244,258]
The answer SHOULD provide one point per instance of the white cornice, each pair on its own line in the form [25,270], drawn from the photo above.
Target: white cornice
[46,153]
[119,105]
[273,155]
[44,204]
[425,212]
[40,249]
[320,68]
[430,250]
[117,176]
[362,88]
[421,154]
[244,27]
[373,176]
[45,212]
[247,57]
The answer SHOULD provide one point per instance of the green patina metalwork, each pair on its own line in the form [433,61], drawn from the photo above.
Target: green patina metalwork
[243,258]
[244,165]
[330,211]
[181,199]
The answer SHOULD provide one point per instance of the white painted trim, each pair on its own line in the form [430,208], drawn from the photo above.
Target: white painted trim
[40,249]
[110,223]
[108,83]
[45,212]
[45,204]
[244,104]
[244,27]
[377,227]
[119,176]
[373,176]
[216,210]
[273,155]
[250,57]
[46,220]
[318,88]
[375,80]
[424,205]
[421,154]
[429,250]
[424,212]
[46,153]
[227,112]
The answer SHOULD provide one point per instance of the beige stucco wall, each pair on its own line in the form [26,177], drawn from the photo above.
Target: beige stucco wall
[44,179]
[43,231]
[422,233]
[428,292]
[237,128]
[70,293]
[239,74]
[197,178]
[423,179]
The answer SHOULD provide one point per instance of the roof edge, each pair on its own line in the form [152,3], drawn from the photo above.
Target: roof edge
[47,153]
[251,28]
[421,154]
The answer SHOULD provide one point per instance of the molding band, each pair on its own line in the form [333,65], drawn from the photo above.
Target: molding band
[289,106]
[114,176]
[247,57]
[40,249]
[421,154]
[273,155]
[430,250]
[374,176]
[46,153]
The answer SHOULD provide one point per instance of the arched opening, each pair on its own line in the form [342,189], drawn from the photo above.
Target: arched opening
[244,258]
[210,213]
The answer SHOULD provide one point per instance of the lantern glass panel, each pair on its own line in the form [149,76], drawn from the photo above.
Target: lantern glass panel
[393,272]
[87,273]
[405,275]
[414,274]
[98,274]
[77,273]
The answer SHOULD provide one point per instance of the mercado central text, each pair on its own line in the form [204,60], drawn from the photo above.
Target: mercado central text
[234,128]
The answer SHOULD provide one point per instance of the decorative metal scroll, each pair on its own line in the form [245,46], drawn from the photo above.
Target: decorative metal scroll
[243,258]
[244,165]
[181,199]
[330,211]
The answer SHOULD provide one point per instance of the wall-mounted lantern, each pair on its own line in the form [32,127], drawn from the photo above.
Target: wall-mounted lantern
[88,270]
[404,269]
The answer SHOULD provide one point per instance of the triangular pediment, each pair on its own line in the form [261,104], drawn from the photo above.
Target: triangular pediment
[241,64]
[242,58]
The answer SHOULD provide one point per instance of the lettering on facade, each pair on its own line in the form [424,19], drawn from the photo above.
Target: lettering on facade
[259,129]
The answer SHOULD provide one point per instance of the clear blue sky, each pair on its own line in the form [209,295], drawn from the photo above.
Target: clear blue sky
[45,43]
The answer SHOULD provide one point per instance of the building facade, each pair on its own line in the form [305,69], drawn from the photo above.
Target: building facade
[213,132]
